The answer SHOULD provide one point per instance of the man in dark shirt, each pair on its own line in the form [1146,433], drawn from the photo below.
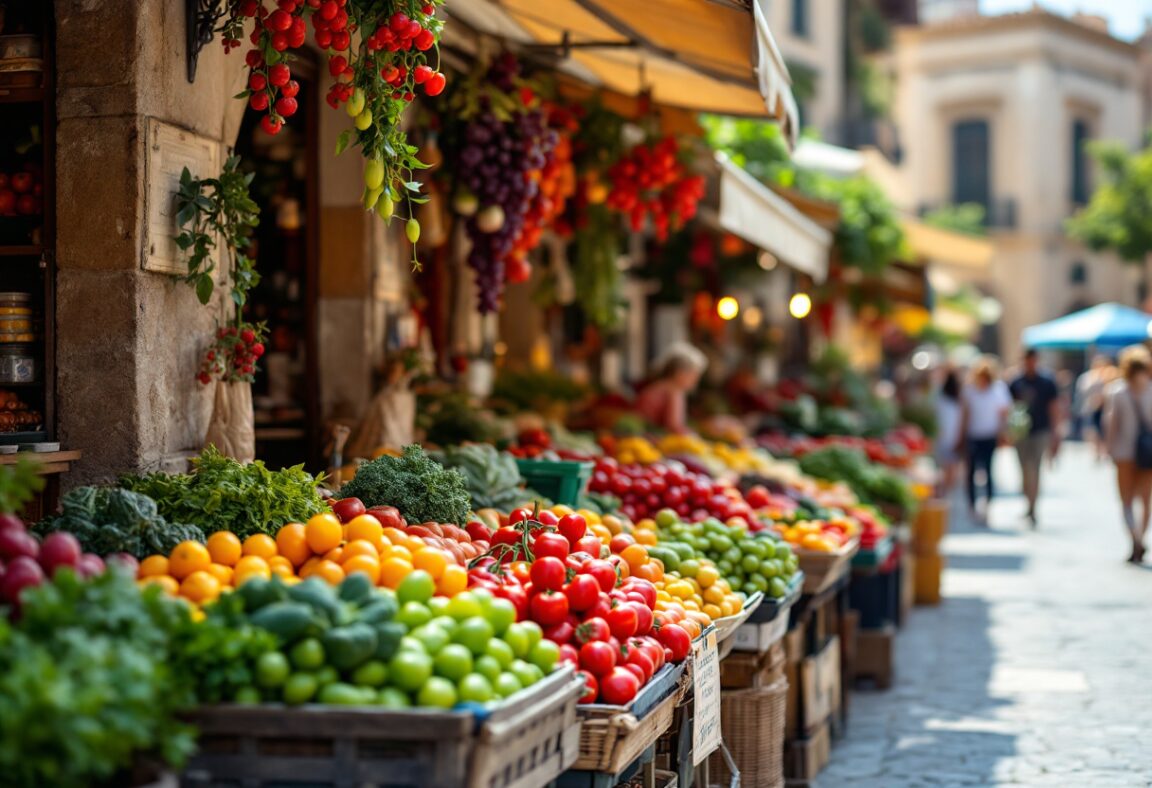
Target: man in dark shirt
[1040,394]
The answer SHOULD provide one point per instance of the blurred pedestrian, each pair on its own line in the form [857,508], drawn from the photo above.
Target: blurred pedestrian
[663,401]
[985,405]
[1128,435]
[1090,388]
[948,414]
[1038,392]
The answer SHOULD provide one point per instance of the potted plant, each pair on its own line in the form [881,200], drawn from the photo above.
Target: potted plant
[216,217]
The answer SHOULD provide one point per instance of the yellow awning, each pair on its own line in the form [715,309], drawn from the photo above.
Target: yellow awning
[762,217]
[695,54]
[944,246]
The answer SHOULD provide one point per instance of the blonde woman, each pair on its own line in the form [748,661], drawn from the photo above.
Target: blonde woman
[1128,436]
[663,401]
[984,407]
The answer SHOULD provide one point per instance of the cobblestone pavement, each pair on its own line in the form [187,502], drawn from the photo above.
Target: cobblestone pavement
[1037,667]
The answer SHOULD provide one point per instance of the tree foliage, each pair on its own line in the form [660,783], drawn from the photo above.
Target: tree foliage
[1116,218]
[966,218]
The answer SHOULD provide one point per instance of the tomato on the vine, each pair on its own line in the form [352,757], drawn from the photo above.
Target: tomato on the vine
[519,516]
[550,544]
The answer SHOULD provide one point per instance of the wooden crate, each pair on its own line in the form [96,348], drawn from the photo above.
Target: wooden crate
[746,670]
[929,569]
[806,757]
[753,724]
[875,650]
[823,570]
[526,741]
[820,684]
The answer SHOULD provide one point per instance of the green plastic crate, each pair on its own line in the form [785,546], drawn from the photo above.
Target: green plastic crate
[561,481]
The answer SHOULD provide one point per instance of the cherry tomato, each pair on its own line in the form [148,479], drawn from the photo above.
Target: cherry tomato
[604,573]
[519,516]
[582,592]
[619,687]
[622,621]
[591,687]
[548,608]
[676,640]
[548,574]
[573,527]
[598,658]
[550,544]
[593,629]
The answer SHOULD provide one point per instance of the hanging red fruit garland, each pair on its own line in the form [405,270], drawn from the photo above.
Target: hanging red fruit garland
[650,182]
[380,52]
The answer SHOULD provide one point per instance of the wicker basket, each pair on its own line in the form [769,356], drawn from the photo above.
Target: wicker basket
[753,724]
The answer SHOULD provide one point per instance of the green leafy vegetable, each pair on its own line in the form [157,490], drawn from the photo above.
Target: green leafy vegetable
[492,477]
[874,484]
[18,484]
[421,488]
[111,520]
[223,493]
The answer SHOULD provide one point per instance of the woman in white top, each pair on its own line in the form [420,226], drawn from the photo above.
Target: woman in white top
[1090,396]
[948,431]
[1128,412]
[985,405]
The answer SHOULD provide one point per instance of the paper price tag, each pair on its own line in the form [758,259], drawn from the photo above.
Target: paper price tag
[706,696]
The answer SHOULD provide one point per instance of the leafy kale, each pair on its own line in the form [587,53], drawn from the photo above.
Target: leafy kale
[422,489]
[872,483]
[223,493]
[111,520]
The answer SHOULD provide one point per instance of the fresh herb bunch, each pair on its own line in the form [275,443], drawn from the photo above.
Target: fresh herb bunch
[112,520]
[223,493]
[421,488]
[492,477]
[873,484]
[86,683]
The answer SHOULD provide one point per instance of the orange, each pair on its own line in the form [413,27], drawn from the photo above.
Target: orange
[647,538]
[364,527]
[330,571]
[432,561]
[323,532]
[308,567]
[292,544]
[452,581]
[635,554]
[395,535]
[414,543]
[222,573]
[361,547]
[281,566]
[401,552]
[153,566]
[251,566]
[170,585]
[224,547]
[335,555]
[393,570]
[188,557]
[382,545]
[200,587]
[261,545]
[368,564]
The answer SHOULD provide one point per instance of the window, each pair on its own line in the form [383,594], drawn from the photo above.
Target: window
[1079,162]
[1078,274]
[800,18]
[971,180]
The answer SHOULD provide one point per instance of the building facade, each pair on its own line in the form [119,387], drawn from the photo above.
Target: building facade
[998,111]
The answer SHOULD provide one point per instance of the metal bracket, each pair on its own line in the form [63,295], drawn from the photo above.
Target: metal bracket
[201,18]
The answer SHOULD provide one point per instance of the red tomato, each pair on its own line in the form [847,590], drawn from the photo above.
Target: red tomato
[573,527]
[638,656]
[548,608]
[676,640]
[604,572]
[522,571]
[602,607]
[548,574]
[620,541]
[547,517]
[347,509]
[21,182]
[478,531]
[593,629]
[549,544]
[517,596]
[637,671]
[582,592]
[506,535]
[561,633]
[598,658]
[389,516]
[643,617]
[589,544]
[652,648]
[591,687]
[619,687]
[622,621]
[519,516]
[569,654]
[643,587]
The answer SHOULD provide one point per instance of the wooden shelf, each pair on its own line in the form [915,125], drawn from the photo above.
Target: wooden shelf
[23,95]
[22,250]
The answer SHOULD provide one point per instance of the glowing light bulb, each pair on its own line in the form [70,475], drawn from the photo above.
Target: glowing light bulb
[727,308]
[800,305]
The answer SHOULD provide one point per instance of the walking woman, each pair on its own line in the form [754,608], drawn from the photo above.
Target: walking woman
[1128,436]
[948,410]
[985,405]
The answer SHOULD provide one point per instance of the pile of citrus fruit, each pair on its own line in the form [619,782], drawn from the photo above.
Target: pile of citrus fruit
[323,547]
